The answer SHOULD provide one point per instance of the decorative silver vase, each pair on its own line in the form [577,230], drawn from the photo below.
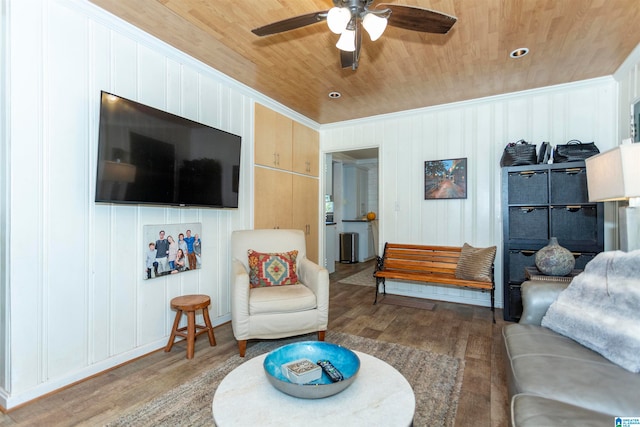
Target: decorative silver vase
[554,260]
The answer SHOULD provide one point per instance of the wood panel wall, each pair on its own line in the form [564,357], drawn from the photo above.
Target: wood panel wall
[73,301]
[477,130]
[76,299]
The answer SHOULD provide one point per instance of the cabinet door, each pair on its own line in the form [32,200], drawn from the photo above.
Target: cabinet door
[305,212]
[273,138]
[272,199]
[306,142]
[350,192]
[363,192]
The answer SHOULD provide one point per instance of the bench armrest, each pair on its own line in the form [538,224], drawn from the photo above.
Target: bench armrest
[537,296]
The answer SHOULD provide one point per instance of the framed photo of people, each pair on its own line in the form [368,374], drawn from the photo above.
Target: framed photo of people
[171,249]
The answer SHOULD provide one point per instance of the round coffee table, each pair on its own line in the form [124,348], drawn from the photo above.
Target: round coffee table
[380,395]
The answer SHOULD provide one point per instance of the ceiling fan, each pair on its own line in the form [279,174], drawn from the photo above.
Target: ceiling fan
[348,17]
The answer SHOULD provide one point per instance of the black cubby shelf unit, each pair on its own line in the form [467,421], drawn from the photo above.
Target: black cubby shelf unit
[540,202]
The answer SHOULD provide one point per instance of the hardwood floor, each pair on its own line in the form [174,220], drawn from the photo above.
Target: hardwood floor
[462,331]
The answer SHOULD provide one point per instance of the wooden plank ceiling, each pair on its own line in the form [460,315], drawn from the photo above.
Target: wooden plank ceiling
[569,40]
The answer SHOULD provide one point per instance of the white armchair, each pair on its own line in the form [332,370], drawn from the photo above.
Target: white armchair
[276,311]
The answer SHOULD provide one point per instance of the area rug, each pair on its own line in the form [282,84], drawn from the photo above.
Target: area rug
[362,278]
[435,378]
[407,302]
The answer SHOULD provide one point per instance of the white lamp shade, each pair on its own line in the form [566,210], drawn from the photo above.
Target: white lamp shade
[347,41]
[338,18]
[375,25]
[614,174]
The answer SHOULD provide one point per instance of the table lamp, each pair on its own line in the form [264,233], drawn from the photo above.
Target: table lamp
[615,175]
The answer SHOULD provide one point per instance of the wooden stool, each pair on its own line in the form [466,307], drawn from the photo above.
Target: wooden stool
[189,304]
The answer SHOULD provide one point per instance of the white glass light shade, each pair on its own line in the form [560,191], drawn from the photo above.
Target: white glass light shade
[614,174]
[338,18]
[347,41]
[375,25]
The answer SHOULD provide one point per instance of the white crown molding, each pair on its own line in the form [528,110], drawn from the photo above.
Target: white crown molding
[128,30]
[471,102]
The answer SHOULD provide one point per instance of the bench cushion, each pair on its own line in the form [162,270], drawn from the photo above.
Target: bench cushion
[475,263]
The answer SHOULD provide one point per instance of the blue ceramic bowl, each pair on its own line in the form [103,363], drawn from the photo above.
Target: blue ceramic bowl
[345,360]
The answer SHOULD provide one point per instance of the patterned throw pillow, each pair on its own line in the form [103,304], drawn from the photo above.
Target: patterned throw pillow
[475,263]
[272,269]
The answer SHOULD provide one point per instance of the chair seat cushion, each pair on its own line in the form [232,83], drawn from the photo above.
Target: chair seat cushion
[281,299]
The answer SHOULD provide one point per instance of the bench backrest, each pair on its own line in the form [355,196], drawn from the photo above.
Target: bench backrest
[421,258]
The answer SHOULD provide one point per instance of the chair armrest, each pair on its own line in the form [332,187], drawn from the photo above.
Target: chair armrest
[537,296]
[239,299]
[315,278]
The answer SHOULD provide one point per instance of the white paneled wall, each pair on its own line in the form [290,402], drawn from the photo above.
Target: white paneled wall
[73,299]
[628,78]
[78,301]
[477,130]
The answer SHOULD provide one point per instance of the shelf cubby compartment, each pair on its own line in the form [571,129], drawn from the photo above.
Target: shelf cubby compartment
[530,187]
[582,258]
[529,222]
[575,224]
[569,186]
[518,260]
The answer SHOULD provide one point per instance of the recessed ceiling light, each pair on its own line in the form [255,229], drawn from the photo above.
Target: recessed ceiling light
[520,52]
[335,95]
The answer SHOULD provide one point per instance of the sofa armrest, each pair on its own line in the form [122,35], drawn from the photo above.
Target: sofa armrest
[239,299]
[537,296]
[316,278]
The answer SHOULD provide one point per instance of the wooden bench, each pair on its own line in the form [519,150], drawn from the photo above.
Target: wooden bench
[431,264]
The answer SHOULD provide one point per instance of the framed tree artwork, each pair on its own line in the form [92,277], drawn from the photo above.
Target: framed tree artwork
[445,179]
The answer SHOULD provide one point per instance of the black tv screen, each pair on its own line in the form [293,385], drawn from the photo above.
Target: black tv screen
[149,156]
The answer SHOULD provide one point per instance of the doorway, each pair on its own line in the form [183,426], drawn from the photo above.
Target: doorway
[351,188]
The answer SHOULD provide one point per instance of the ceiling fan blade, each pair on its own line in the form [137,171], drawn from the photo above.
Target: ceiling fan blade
[418,19]
[290,23]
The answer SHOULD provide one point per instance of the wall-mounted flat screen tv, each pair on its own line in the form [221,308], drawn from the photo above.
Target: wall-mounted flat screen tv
[149,156]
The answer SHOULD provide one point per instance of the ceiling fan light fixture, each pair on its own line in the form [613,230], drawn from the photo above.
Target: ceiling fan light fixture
[338,18]
[375,25]
[347,41]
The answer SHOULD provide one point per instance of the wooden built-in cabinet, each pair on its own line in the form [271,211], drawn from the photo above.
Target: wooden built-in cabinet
[273,203]
[305,149]
[286,176]
[305,212]
[273,138]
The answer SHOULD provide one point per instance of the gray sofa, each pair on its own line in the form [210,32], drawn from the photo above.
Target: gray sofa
[553,380]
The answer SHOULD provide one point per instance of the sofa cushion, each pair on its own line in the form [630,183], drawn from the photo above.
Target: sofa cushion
[599,309]
[281,299]
[535,411]
[546,364]
[272,269]
[475,263]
